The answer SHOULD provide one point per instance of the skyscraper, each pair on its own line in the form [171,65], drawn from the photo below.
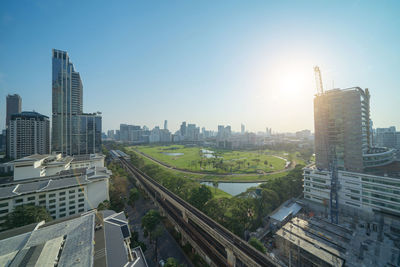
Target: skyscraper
[342,129]
[242,128]
[73,132]
[29,134]
[14,105]
[165,125]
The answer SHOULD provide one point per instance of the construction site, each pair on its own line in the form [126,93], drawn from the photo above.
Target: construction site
[349,216]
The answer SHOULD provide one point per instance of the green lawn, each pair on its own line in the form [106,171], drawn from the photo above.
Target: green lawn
[192,158]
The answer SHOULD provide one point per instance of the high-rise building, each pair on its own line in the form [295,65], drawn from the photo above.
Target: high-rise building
[165,125]
[183,128]
[71,128]
[242,129]
[14,106]
[341,119]
[29,134]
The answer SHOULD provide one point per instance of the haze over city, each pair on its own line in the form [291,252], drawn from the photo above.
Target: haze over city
[221,63]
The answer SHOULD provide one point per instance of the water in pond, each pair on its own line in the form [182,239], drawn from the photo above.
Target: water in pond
[208,153]
[233,188]
[172,154]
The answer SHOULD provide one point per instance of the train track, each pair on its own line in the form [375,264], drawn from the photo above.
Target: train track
[255,255]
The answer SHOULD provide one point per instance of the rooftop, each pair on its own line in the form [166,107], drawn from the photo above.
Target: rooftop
[65,179]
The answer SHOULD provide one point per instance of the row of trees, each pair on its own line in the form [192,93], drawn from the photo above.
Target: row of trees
[226,166]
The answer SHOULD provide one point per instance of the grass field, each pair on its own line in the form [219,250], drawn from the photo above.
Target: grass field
[196,159]
[211,178]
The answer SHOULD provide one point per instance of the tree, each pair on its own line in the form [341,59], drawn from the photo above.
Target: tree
[266,162]
[199,196]
[133,196]
[105,205]
[172,262]
[257,244]
[26,214]
[215,184]
[151,223]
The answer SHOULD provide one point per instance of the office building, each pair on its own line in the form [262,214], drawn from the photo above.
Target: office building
[183,128]
[14,106]
[342,129]
[29,133]
[165,125]
[3,140]
[71,128]
[95,238]
[386,137]
[242,129]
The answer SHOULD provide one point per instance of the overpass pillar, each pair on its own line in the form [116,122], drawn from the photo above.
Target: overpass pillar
[184,215]
[230,257]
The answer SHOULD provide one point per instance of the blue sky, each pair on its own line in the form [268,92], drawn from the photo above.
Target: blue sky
[207,62]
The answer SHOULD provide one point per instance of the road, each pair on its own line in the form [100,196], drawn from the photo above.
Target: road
[167,246]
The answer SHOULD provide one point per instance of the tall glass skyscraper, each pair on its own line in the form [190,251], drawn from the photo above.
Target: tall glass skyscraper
[73,132]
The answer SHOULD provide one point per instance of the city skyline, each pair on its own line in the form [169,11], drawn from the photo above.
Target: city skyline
[260,57]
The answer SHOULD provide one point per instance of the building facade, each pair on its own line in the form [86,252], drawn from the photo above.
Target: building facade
[343,130]
[73,132]
[14,106]
[29,133]
[369,193]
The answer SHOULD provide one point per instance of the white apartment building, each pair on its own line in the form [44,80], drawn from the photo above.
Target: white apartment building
[50,164]
[365,192]
[64,194]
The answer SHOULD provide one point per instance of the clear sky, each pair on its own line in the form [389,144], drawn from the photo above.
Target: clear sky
[207,62]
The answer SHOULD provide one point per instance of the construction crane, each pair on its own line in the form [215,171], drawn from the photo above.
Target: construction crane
[318,80]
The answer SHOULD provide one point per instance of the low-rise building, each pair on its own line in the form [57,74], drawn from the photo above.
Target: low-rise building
[66,193]
[50,164]
[361,191]
[88,239]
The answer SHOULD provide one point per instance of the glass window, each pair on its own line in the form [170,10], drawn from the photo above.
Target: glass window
[62,204]
[19,200]
[42,202]
[4,204]
[71,196]
[72,191]
[52,207]
[63,209]
[81,210]
[81,200]
[81,205]
[52,201]
[31,198]
[3,211]
[71,212]
[62,199]
[62,215]
[62,193]
[42,196]
[72,202]
[71,207]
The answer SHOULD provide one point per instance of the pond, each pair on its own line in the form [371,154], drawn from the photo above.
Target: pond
[173,154]
[233,188]
[208,153]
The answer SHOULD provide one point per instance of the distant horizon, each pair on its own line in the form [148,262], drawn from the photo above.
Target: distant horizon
[207,63]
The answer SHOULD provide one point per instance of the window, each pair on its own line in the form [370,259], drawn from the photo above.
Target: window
[42,196]
[81,190]
[3,211]
[52,195]
[62,193]
[62,199]
[81,200]
[71,212]
[62,215]
[19,200]
[71,196]
[80,195]
[81,205]
[63,209]
[4,204]
[52,200]
[52,212]
[62,204]
[71,207]
[42,203]
[31,198]
[52,207]
[81,210]
[72,191]
[72,202]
